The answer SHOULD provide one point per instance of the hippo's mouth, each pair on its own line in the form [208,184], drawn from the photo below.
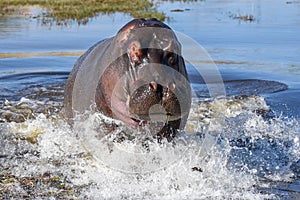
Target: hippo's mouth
[155,117]
[139,121]
[156,105]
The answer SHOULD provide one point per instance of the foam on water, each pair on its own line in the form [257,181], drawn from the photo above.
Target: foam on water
[232,149]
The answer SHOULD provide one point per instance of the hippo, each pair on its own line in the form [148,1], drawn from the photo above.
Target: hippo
[137,76]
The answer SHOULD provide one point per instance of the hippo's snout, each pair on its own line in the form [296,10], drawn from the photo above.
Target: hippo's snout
[154,102]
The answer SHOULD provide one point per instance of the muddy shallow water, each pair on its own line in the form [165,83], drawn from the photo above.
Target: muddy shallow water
[244,146]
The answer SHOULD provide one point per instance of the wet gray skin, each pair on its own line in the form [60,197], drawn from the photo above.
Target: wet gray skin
[142,78]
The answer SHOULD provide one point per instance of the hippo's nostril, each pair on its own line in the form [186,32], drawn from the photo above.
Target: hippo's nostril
[153,85]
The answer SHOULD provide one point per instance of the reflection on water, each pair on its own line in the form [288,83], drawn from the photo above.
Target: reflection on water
[9,27]
[251,138]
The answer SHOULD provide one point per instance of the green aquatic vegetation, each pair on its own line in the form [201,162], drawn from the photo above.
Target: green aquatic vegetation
[81,10]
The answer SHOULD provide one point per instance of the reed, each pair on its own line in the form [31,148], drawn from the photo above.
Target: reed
[82,10]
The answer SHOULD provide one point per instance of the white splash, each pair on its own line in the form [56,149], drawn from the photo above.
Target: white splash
[212,160]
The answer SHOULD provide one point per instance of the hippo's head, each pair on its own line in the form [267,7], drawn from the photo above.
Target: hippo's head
[154,84]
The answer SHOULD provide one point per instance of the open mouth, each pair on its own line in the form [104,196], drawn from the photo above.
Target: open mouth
[139,122]
[154,117]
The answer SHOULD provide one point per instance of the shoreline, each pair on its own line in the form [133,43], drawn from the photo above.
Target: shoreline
[63,11]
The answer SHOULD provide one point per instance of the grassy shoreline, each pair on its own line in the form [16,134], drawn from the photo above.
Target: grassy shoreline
[80,11]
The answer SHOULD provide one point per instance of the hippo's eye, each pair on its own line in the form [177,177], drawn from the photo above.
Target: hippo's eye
[133,48]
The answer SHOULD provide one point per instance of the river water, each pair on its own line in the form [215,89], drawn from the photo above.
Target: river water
[245,145]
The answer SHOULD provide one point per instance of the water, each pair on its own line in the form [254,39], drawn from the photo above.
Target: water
[244,146]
